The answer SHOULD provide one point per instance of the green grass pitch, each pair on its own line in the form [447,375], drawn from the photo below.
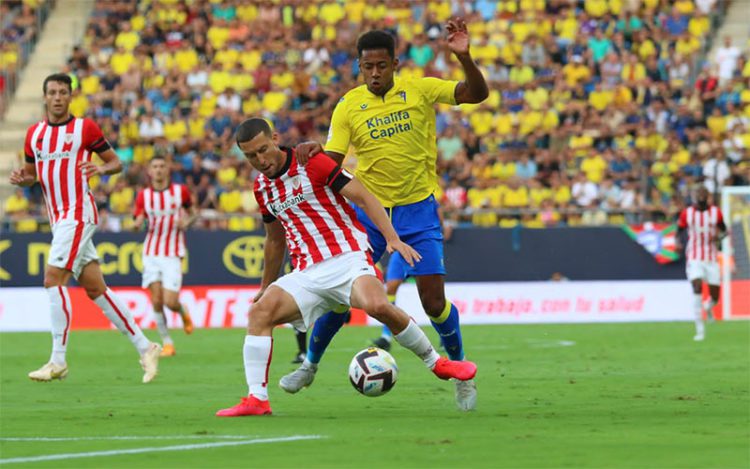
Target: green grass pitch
[614,395]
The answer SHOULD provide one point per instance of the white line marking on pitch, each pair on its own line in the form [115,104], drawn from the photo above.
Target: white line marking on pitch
[156,449]
[142,437]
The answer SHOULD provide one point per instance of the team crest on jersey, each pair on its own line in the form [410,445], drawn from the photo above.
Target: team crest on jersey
[69,138]
[403,95]
[296,182]
[363,106]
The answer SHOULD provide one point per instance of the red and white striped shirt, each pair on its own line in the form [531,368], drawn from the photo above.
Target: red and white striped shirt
[703,229]
[163,209]
[455,197]
[57,150]
[317,220]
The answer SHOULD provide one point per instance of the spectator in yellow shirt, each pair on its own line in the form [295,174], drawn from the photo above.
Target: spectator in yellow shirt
[17,209]
[576,71]
[594,166]
[122,197]
[17,203]
[633,71]
[121,61]
[127,38]
[601,97]
[516,195]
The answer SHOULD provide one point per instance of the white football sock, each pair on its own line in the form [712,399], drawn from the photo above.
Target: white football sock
[257,356]
[161,326]
[414,339]
[698,312]
[61,314]
[114,308]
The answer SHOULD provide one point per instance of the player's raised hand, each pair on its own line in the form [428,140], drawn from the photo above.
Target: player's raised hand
[18,177]
[458,36]
[305,150]
[89,168]
[407,252]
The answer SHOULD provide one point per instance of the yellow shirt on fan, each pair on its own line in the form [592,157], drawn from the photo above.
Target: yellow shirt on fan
[393,137]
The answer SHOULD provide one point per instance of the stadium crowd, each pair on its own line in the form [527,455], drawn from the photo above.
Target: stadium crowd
[20,23]
[600,111]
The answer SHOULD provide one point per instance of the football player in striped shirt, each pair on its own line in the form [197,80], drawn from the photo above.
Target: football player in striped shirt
[169,210]
[58,154]
[390,123]
[305,206]
[704,226]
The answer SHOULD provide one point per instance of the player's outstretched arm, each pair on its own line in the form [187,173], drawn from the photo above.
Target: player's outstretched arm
[474,88]
[357,193]
[25,176]
[112,164]
[273,255]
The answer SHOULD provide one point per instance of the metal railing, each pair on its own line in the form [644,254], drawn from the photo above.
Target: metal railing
[215,220]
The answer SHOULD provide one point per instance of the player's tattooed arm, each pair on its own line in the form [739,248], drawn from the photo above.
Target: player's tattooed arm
[273,255]
[474,88]
[25,176]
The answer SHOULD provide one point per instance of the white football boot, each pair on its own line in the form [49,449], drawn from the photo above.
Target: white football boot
[466,395]
[299,378]
[49,372]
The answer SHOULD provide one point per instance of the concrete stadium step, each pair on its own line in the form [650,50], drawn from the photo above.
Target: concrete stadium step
[12,140]
[735,26]
[64,28]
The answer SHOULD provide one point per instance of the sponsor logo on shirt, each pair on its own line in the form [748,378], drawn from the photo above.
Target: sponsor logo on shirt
[389,125]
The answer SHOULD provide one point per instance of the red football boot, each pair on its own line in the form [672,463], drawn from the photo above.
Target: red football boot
[447,369]
[250,405]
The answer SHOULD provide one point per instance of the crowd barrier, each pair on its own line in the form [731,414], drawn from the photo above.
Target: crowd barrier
[495,277]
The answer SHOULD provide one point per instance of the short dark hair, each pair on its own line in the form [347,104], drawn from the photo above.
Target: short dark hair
[158,157]
[60,78]
[376,39]
[252,127]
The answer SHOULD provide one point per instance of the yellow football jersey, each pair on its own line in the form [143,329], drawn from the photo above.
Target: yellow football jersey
[393,137]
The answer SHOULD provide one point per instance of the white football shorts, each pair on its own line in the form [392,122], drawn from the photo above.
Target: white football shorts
[325,286]
[167,270]
[704,270]
[72,246]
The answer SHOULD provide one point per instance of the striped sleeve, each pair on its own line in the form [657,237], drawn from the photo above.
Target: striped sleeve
[93,138]
[322,170]
[265,213]
[28,150]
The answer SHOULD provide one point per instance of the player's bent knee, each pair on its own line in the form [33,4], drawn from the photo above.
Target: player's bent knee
[94,292]
[262,315]
[434,307]
[379,308]
[53,277]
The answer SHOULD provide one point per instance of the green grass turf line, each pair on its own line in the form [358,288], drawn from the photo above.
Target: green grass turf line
[612,395]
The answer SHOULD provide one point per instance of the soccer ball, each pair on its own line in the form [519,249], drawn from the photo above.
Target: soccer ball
[373,372]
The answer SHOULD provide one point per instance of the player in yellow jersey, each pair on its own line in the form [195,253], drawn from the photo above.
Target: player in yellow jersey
[390,122]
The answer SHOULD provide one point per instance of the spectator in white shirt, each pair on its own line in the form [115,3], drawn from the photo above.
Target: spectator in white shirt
[716,171]
[584,192]
[229,100]
[150,127]
[726,58]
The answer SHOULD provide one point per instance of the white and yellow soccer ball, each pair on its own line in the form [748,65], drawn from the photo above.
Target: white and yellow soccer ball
[373,372]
